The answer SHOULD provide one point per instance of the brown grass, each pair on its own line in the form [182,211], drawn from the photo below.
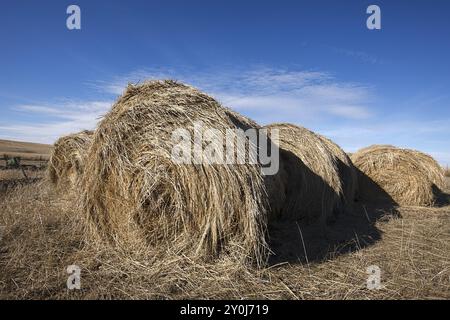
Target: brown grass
[43,234]
[162,217]
[15,174]
[407,176]
[135,195]
[67,160]
[321,180]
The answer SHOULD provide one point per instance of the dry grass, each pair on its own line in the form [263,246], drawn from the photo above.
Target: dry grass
[15,174]
[136,195]
[43,234]
[408,177]
[67,159]
[320,178]
[12,178]
[160,217]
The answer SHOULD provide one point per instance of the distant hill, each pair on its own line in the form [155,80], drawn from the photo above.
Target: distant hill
[25,150]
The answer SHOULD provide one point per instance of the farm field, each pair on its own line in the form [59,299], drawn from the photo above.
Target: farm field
[30,153]
[43,233]
[25,149]
[205,151]
[137,224]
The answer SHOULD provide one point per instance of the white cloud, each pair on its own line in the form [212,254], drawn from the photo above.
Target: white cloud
[351,112]
[340,110]
[265,94]
[288,95]
[359,55]
[59,119]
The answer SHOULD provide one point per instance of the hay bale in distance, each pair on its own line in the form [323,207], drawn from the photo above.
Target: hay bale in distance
[320,178]
[66,162]
[409,177]
[134,193]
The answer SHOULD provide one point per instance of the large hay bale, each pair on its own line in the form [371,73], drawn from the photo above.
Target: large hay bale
[408,177]
[134,193]
[320,178]
[67,159]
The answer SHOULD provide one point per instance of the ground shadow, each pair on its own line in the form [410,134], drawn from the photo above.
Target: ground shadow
[296,240]
[441,196]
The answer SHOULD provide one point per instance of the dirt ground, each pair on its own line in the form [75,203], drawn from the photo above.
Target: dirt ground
[42,233]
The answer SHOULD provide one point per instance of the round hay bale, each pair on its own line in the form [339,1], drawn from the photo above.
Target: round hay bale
[135,194]
[66,162]
[407,177]
[319,174]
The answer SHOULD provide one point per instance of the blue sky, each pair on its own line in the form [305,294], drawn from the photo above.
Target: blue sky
[313,63]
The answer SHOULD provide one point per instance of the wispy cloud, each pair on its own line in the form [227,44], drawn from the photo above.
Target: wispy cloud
[260,91]
[58,119]
[265,94]
[343,111]
[359,55]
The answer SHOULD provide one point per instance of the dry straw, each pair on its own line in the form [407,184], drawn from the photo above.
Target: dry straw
[409,177]
[134,193]
[67,159]
[320,180]
[347,171]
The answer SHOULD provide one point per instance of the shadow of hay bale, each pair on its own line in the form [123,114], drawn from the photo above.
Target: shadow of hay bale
[307,206]
[319,177]
[441,196]
[303,241]
[372,193]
